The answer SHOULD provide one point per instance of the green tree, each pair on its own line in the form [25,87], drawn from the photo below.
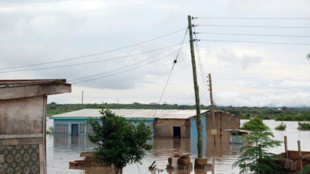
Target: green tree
[254,156]
[119,141]
[255,124]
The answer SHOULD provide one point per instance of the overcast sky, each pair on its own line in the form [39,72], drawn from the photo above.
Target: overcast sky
[44,39]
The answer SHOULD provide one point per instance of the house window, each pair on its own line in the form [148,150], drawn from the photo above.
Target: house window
[61,128]
[82,128]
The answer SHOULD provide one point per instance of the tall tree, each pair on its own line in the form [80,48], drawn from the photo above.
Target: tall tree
[119,142]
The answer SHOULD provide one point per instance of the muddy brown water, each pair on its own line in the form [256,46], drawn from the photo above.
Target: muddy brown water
[62,149]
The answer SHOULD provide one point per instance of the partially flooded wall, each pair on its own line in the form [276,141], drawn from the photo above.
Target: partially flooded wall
[164,127]
[223,121]
[22,135]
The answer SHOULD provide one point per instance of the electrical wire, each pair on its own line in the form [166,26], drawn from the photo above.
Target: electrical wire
[201,68]
[105,74]
[255,18]
[173,65]
[124,67]
[174,62]
[95,54]
[89,62]
[252,26]
[238,41]
[239,34]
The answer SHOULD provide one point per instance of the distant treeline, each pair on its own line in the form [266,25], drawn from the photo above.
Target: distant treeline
[281,113]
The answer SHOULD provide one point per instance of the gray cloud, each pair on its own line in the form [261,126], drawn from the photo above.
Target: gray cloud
[243,61]
[254,74]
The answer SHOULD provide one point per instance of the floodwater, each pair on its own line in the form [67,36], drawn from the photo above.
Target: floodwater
[62,149]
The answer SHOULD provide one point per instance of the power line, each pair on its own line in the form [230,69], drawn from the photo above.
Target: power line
[202,72]
[280,43]
[89,62]
[174,62]
[239,34]
[106,74]
[252,26]
[124,67]
[96,54]
[255,18]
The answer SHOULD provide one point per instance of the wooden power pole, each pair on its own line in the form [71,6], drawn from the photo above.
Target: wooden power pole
[214,130]
[196,88]
[82,98]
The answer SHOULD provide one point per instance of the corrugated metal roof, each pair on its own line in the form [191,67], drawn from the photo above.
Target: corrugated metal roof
[133,113]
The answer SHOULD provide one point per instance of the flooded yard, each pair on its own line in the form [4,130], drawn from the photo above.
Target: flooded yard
[62,149]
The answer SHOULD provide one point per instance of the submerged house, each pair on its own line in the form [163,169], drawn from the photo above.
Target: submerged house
[164,123]
[22,123]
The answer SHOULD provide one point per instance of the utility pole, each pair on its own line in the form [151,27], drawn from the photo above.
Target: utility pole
[213,131]
[196,88]
[82,97]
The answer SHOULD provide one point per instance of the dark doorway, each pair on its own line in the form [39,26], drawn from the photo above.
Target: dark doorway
[75,129]
[176,132]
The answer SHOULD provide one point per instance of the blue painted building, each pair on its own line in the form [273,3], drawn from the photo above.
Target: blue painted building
[164,123]
[73,123]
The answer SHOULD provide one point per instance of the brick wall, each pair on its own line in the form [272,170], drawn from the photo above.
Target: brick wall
[164,127]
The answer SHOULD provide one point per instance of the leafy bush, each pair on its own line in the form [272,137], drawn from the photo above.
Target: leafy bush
[305,169]
[255,124]
[119,142]
[281,126]
[303,126]
[50,130]
[254,156]
[245,116]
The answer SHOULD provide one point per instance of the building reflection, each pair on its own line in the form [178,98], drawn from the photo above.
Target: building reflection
[162,149]
[95,170]
[170,146]
[81,143]
[221,146]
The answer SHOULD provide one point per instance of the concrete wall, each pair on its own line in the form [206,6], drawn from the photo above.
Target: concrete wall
[22,137]
[22,116]
[164,127]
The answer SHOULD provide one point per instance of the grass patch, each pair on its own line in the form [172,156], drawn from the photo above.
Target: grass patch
[303,126]
[281,127]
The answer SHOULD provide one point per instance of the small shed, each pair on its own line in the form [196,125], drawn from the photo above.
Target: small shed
[22,123]
[178,124]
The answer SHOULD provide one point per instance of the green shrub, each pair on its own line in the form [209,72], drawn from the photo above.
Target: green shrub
[305,169]
[119,142]
[255,124]
[303,126]
[50,130]
[281,126]
[245,116]
[255,157]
